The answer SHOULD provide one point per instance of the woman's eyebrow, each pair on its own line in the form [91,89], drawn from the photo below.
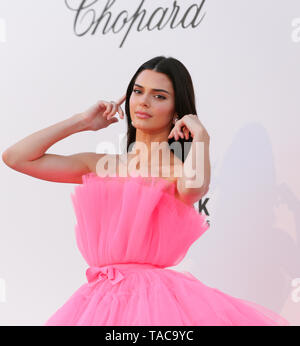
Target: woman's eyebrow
[154,89]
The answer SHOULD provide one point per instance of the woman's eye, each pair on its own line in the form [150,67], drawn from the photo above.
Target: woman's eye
[136,91]
[162,97]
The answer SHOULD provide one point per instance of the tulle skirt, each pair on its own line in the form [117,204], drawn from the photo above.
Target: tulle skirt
[136,294]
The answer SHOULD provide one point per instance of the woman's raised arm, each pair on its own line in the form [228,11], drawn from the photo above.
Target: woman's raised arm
[29,155]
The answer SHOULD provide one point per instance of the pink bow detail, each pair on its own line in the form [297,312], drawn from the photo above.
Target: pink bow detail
[102,273]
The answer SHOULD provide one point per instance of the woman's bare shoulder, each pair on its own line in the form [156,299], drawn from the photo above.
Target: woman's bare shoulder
[97,160]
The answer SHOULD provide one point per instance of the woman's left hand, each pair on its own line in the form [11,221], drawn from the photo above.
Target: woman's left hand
[189,123]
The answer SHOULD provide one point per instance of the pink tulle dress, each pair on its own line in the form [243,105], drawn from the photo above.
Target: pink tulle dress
[129,231]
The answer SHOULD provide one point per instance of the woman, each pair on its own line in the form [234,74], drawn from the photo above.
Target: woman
[135,213]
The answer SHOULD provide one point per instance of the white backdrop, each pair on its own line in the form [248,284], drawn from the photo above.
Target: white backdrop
[244,61]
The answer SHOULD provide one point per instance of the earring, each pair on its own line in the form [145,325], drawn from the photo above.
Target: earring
[175,119]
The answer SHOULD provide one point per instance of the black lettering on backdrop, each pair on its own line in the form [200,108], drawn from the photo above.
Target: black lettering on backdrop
[202,206]
[86,19]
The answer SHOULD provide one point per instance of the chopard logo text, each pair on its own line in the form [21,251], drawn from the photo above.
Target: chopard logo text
[93,15]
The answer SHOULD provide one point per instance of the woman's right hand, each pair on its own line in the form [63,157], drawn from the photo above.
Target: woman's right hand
[101,114]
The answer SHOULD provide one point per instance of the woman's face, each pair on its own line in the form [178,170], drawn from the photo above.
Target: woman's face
[153,94]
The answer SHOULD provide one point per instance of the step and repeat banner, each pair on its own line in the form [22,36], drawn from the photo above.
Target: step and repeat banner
[58,58]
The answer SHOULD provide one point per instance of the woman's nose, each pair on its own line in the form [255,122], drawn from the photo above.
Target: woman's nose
[144,100]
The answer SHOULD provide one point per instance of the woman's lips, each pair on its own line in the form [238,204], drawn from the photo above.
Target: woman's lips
[142,115]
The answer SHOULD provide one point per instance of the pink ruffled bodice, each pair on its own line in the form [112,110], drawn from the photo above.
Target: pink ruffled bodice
[133,220]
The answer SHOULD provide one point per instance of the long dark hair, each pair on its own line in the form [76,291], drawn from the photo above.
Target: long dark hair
[184,94]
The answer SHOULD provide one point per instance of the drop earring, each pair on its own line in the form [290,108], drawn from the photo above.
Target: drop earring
[175,119]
